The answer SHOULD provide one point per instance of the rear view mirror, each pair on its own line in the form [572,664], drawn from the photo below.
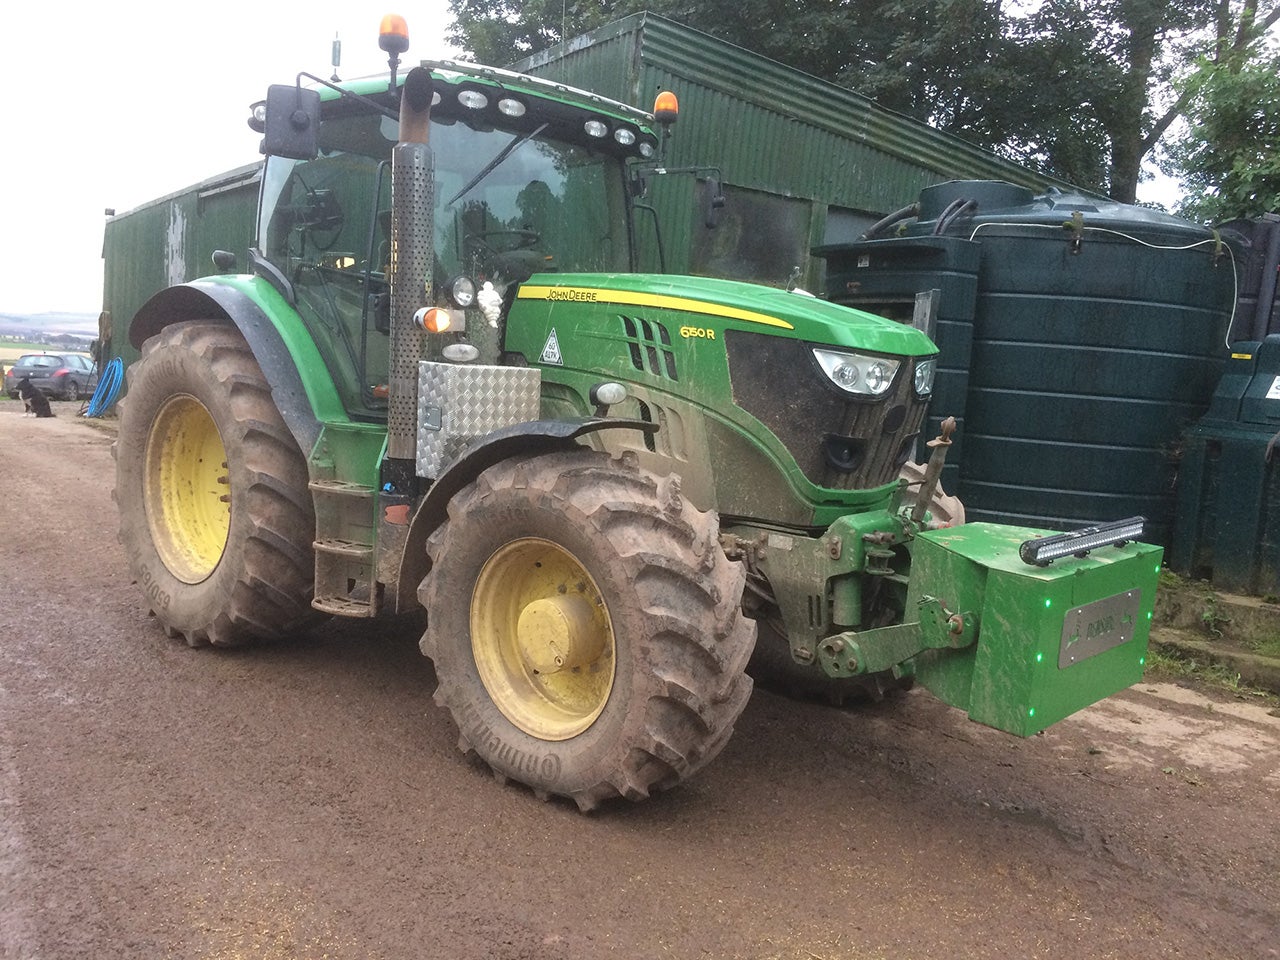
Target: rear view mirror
[713,203]
[292,122]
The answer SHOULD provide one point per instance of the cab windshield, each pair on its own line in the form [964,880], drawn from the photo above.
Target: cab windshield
[544,205]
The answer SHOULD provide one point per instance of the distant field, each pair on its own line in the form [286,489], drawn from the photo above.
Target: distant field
[10,350]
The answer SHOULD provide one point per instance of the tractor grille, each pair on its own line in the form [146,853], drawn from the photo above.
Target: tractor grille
[839,441]
[650,347]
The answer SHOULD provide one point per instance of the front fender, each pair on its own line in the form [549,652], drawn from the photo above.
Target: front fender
[300,383]
[520,440]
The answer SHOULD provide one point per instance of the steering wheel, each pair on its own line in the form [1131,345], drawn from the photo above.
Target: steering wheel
[503,241]
[506,253]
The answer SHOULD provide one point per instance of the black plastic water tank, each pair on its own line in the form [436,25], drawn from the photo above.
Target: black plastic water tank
[1098,336]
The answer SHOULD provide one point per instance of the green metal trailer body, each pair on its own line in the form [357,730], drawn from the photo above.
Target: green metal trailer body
[169,241]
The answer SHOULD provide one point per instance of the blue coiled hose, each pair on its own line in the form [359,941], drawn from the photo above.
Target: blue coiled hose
[108,389]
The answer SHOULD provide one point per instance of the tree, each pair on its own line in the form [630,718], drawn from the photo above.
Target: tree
[1229,155]
[499,32]
[1231,34]
[1084,90]
[1105,74]
[936,60]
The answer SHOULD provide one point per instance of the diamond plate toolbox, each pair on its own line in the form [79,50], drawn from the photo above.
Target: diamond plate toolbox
[459,403]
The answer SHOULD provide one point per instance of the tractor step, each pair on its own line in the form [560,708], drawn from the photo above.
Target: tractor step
[342,489]
[345,576]
[344,606]
[345,548]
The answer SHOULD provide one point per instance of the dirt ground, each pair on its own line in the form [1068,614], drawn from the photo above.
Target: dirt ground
[306,800]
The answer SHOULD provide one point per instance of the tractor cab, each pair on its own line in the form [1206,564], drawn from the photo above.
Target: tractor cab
[524,183]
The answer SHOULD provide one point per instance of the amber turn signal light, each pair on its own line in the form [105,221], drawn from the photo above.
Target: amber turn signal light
[433,320]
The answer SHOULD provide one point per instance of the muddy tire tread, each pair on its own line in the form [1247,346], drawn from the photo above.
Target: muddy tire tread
[686,591]
[270,594]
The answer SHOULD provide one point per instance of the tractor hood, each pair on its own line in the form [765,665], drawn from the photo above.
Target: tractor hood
[731,304]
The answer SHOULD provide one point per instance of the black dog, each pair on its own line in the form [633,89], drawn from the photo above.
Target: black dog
[34,399]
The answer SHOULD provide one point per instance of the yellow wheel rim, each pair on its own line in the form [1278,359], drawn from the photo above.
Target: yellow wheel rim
[542,639]
[186,489]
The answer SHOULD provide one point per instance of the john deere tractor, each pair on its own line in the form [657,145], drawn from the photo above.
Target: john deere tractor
[438,384]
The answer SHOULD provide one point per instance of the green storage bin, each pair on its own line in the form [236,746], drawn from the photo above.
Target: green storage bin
[1228,492]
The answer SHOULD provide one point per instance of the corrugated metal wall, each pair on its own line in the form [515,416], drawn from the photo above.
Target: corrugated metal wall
[171,240]
[767,126]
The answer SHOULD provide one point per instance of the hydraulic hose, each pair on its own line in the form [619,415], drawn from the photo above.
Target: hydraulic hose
[108,389]
[910,210]
[957,209]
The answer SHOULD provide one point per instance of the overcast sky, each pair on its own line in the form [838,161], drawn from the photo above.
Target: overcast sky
[114,105]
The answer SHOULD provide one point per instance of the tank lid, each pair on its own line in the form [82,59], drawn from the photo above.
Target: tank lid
[987,194]
[957,206]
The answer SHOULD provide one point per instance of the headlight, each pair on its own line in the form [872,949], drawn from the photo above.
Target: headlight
[511,107]
[855,373]
[462,291]
[258,117]
[926,370]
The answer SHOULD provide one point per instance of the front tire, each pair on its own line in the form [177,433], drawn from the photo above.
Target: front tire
[586,627]
[215,515]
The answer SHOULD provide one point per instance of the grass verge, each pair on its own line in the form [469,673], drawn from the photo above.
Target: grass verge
[1168,666]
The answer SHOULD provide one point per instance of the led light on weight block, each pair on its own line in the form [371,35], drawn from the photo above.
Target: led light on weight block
[1044,550]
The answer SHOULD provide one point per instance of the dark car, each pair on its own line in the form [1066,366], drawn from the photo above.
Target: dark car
[62,376]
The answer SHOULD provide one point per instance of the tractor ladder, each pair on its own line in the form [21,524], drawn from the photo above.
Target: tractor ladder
[346,572]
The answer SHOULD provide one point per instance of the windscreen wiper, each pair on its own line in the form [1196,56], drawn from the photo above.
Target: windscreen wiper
[492,165]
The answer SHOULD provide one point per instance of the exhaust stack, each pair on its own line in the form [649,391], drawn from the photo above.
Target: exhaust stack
[412,260]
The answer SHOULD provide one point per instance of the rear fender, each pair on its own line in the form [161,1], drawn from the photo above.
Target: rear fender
[300,383]
[530,439]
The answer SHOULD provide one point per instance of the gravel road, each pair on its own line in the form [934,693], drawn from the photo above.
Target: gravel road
[306,800]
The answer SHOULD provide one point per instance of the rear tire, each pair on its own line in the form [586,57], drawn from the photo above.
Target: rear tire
[656,647]
[215,515]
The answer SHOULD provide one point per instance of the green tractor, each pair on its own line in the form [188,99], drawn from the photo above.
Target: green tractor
[439,384]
